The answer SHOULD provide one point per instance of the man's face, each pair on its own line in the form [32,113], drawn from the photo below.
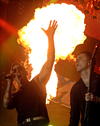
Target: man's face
[82,62]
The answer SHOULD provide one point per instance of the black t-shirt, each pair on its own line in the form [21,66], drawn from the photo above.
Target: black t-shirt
[77,100]
[29,101]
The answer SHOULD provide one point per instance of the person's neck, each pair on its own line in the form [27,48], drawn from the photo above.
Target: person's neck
[85,76]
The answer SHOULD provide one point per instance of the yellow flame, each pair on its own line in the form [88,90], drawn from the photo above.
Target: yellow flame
[69,34]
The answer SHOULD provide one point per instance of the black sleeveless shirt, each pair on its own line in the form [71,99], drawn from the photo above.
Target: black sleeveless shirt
[29,101]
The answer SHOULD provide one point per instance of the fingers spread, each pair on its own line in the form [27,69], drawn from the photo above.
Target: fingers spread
[54,24]
[50,24]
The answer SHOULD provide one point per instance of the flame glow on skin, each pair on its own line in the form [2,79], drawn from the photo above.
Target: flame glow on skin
[69,34]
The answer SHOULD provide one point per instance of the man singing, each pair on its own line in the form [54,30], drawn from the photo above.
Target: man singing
[30,99]
[79,94]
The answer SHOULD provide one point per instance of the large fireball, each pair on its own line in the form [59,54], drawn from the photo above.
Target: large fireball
[69,34]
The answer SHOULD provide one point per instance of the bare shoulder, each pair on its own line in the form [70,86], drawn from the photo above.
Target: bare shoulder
[35,79]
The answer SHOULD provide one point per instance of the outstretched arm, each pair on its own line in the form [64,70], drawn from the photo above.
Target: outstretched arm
[7,95]
[8,99]
[45,72]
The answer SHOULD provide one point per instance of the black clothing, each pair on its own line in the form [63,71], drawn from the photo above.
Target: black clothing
[29,101]
[77,100]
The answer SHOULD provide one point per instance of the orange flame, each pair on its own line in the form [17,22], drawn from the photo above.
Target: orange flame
[69,34]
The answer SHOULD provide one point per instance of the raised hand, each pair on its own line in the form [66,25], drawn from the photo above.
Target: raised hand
[51,29]
[45,72]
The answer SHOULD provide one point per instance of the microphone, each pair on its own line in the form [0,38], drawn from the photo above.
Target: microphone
[10,76]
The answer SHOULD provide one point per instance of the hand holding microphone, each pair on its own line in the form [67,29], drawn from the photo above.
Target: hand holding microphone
[12,73]
[9,76]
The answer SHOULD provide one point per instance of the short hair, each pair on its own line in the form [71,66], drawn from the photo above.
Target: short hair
[88,54]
